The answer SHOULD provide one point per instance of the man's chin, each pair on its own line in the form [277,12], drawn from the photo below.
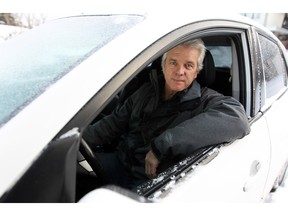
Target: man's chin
[179,89]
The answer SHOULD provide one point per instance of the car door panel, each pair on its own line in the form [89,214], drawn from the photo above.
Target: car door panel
[237,174]
[277,124]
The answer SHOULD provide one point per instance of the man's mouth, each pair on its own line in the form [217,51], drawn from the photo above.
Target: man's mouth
[176,80]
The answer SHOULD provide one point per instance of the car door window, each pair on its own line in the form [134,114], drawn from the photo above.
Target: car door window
[222,55]
[273,66]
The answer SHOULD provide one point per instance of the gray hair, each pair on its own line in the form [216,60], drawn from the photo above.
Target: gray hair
[197,44]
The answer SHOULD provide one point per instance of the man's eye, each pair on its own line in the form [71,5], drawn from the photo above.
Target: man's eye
[172,63]
[189,66]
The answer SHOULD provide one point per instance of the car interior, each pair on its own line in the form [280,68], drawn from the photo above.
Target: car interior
[215,74]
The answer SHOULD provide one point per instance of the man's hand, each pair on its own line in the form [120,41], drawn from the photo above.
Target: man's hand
[151,164]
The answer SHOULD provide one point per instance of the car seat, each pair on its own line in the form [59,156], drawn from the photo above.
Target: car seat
[206,76]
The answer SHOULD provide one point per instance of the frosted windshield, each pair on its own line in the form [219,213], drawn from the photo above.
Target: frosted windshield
[37,58]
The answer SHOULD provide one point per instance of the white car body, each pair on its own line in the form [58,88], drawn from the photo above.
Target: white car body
[244,171]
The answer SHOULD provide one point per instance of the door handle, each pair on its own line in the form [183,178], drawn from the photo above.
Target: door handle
[254,169]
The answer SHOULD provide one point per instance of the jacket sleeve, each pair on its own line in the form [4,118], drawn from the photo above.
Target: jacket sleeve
[117,123]
[109,127]
[223,120]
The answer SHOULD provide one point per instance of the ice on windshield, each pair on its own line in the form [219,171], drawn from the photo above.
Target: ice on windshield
[39,57]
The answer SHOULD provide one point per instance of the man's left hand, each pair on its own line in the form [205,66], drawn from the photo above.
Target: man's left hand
[151,164]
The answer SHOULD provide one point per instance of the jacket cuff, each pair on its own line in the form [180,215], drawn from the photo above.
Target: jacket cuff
[156,152]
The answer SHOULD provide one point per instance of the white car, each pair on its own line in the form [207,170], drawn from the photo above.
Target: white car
[58,78]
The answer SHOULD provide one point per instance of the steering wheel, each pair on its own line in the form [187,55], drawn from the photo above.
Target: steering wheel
[93,161]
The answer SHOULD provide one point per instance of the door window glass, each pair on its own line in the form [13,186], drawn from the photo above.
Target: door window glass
[274,68]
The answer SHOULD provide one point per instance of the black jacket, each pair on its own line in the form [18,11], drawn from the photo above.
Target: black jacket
[192,119]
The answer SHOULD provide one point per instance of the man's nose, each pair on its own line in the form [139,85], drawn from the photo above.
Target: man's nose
[180,70]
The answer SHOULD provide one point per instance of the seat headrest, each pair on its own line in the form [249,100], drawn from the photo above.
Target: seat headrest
[206,76]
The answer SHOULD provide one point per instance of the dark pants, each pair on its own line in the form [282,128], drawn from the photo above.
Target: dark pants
[114,170]
[115,173]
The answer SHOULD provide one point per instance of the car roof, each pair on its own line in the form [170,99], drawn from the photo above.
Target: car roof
[167,21]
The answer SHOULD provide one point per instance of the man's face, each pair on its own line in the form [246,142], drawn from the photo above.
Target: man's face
[180,68]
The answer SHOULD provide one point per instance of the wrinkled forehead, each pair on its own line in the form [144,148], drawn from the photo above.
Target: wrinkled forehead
[184,53]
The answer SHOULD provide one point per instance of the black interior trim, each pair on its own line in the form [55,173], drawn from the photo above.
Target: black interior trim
[51,178]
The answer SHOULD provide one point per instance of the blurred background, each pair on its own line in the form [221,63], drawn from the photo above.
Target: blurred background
[276,22]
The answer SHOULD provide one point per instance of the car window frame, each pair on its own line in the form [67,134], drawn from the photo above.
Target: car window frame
[163,44]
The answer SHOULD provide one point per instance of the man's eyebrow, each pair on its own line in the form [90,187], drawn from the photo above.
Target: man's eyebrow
[172,59]
[190,62]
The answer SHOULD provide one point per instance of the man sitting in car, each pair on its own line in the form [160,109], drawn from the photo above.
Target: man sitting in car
[166,120]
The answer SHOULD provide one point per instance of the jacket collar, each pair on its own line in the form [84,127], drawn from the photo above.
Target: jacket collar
[190,93]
